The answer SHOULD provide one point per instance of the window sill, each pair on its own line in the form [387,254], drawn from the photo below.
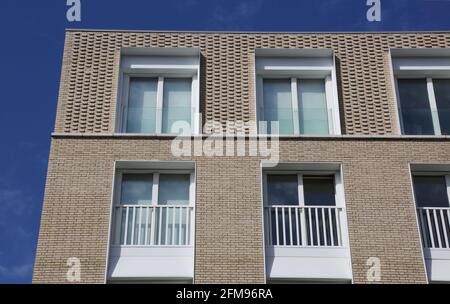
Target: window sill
[281,137]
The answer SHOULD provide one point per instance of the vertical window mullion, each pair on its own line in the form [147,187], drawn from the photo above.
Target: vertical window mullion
[447,180]
[302,212]
[329,95]
[301,193]
[194,107]
[125,97]
[339,196]
[433,106]
[118,185]
[265,189]
[155,189]
[260,103]
[295,116]
[192,189]
[399,106]
[159,104]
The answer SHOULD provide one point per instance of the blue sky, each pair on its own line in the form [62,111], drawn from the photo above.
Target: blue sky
[32,34]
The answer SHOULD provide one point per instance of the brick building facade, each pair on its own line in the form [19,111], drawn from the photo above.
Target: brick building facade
[376,161]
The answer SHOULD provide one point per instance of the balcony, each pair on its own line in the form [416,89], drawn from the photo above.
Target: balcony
[152,242]
[293,226]
[306,243]
[431,184]
[435,231]
[153,223]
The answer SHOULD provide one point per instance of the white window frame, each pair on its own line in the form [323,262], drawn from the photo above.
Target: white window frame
[159,99]
[298,64]
[155,189]
[159,63]
[338,188]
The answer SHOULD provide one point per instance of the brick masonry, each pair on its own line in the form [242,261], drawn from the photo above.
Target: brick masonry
[229,245]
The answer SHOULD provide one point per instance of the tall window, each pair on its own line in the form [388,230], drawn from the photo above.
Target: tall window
[278,105]
[312,190]
[298,105]
[136,189]
[154,105]
[296,89]
[424,105]
[176,103]
[153,209]
[431,191]
[432,194]
[301,210]
[159,91]
[141,108]
[442,93]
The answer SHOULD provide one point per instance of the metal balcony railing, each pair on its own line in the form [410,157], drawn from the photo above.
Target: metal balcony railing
[435,227]
[307,226]
[148,225]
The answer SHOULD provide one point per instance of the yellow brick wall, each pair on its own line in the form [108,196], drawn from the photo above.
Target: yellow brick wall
[229,244]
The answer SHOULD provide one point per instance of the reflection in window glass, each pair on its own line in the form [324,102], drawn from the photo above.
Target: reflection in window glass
[282,189]
[319,190]
[442,93]
[136,189]
[141,110]
[176,103]
[278,105]
[174,189]
[313,112]
[431,191]
[415,107]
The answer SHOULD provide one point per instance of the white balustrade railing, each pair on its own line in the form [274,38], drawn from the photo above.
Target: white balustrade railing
[435,227]
[148,225]
[304,226]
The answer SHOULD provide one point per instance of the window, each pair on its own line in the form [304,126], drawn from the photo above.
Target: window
[302,210]
[422,80]
[296,89]
[136,189]
[159,91]
[278,104]
[307,114]
[424,105]
[319,190]
[313,109]
[174,189]
[442,93]
[432,191]
[313,190]
[432,195]
[431,186]
[176,103]
[144,113]
[153,208]
[282,189]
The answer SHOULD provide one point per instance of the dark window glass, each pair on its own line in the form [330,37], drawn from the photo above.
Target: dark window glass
[415,107]
[430,191]
[319,190]
[174,189]
[136,189]
[282,189]
[442,93]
